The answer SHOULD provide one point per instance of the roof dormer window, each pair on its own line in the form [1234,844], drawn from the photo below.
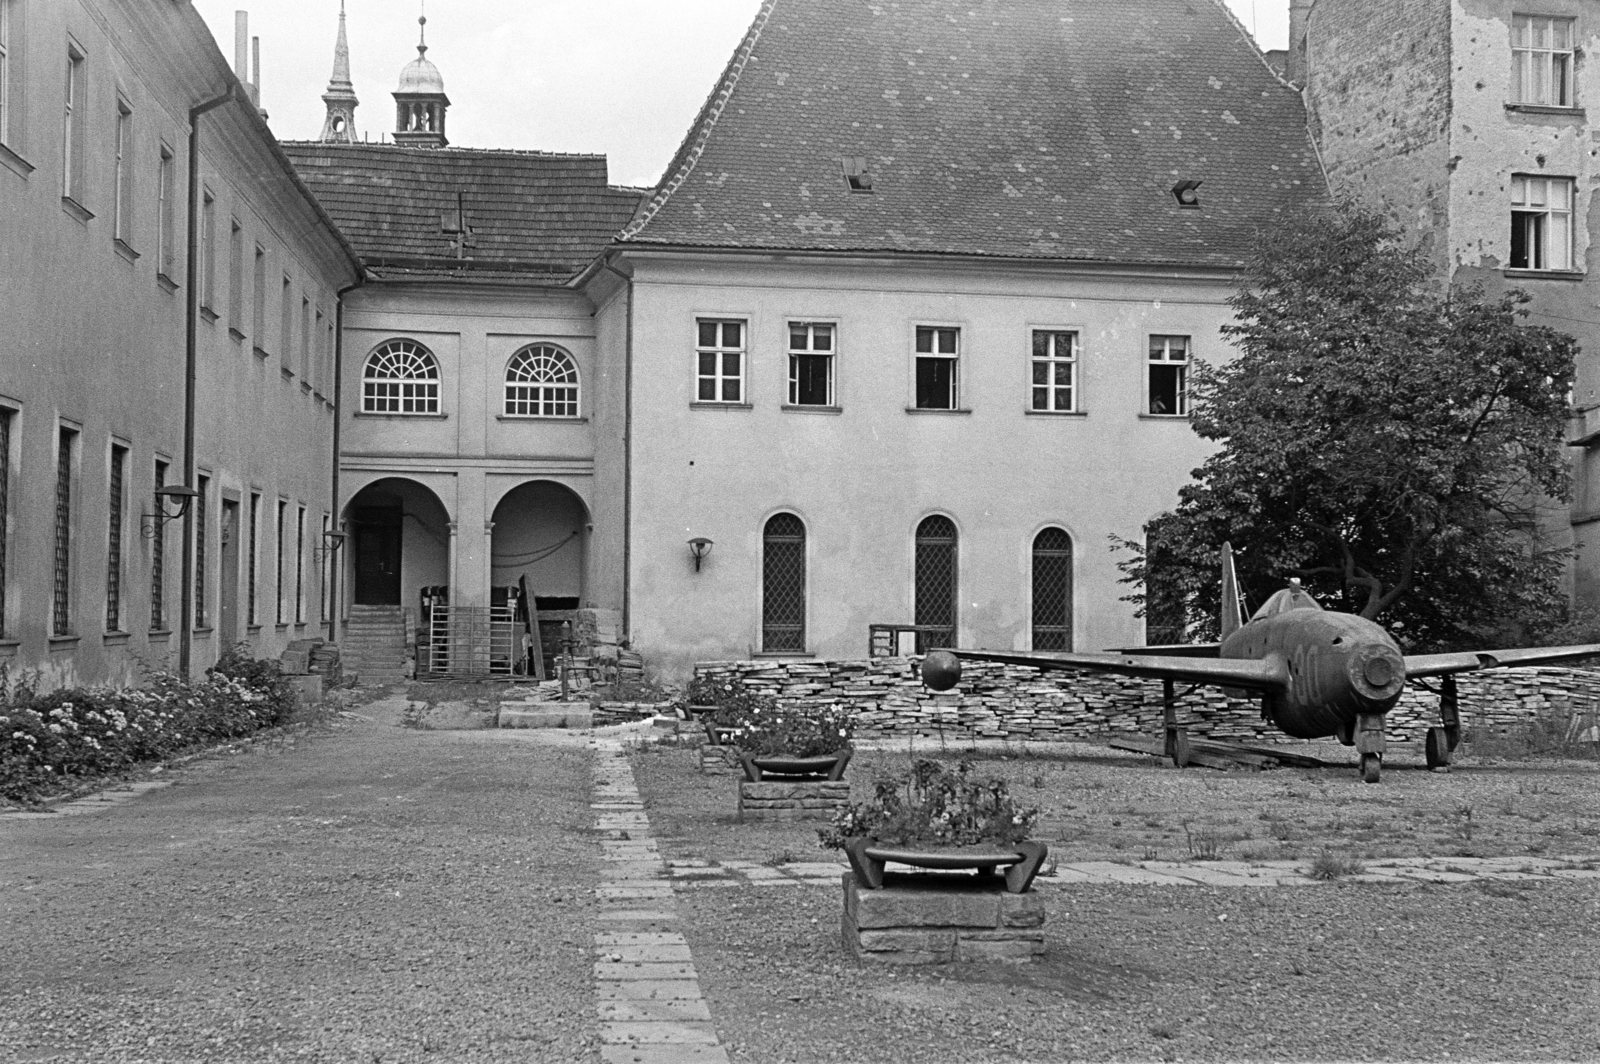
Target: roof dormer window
[856,174]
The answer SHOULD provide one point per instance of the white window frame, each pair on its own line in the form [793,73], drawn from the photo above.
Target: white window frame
[1543,60]
[1546,226]
[809,328]
[208,250]
[7,103]
[167,214]
[528,394]
[122,190]
[935,331]
[1154,359]
[1052,360]
[419,393]
[719,379]
[75,117]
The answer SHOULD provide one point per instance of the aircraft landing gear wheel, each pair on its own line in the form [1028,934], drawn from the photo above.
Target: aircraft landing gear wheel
[1437,748]
[1371,767]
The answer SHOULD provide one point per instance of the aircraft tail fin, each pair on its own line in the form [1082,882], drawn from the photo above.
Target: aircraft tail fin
[1232,617]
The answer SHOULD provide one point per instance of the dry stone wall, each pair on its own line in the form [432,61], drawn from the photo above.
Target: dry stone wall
[1018,703]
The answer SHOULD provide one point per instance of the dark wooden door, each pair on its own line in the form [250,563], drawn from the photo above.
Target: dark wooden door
[377,535]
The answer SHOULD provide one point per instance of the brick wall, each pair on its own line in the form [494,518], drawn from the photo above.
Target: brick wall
[1016,702]
[1378,96]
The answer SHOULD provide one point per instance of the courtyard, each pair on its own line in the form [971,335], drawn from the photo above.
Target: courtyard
[377,891]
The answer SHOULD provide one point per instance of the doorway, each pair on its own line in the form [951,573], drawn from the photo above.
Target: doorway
[377,557]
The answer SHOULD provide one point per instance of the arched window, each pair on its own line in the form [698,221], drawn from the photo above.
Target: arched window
[783,584]
[1052,590]
[541,381]
[935,614]
[401,377]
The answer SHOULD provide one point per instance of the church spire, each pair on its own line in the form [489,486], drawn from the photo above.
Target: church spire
[340,125]
[420,101]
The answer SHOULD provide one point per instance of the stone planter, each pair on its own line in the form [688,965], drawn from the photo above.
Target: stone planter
[716,735]
[1018,862]
[782,768]
[719,761]
[799,800]
[934,919]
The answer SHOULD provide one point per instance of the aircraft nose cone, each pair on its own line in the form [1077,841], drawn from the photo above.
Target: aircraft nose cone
[1379,672]
[941,670]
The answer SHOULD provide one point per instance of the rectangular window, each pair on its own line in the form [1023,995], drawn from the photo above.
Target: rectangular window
[166,214]
[74,120]
[258,333]
[158,559]
[305,340]
[719,351]
[319,369]
[937,355]
[253,565]
[61,584]
[1169,375]
[202,485]
[326,598]
[115,510]
[6,418]
[208,250]
[811,351]
[236,276]
[5,71]
[1541,223]
[286,326]
[300,565]
[122,177]
[1055,371]
[1541,61]
[277,541]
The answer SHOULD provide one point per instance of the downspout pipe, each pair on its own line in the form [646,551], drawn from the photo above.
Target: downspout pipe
[191,314]
[627,466]
[336,570]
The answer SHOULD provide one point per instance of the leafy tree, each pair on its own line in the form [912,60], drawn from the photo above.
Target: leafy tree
[1386,440]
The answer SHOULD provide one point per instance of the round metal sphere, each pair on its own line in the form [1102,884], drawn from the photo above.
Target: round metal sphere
[941,670]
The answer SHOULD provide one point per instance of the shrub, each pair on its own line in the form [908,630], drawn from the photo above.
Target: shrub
[767,728]
[936,804]
[47,739]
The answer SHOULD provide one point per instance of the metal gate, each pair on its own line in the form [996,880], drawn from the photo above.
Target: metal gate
[468,641]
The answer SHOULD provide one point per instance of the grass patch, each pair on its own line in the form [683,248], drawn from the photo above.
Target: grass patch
[1328,866]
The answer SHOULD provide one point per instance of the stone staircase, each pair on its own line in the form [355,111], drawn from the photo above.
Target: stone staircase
[374,644]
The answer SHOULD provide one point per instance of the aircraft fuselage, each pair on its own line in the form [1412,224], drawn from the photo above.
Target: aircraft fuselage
[1340,666]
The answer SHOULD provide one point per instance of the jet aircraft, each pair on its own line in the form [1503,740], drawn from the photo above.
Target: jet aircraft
[1318,673]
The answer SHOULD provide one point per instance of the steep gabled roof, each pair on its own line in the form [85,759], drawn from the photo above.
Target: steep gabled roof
[1049,129]
[534,216]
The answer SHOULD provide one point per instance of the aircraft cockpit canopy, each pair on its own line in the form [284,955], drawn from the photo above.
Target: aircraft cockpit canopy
[1293,597]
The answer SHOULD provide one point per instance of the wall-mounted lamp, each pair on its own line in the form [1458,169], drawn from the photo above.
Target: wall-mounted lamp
[169,493]
[331,542]
[1187,193]
[699,547]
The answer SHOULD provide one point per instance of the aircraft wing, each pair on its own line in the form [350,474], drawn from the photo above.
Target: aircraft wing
[1172,650]
[1271,674]
[1472,660]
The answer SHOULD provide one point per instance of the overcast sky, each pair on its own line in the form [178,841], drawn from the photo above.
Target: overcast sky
[623,78]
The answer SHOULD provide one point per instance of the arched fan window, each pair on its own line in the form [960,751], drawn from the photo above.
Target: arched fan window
[541,381]
[783,584]
[1052,590]
[401,377]
[936,584]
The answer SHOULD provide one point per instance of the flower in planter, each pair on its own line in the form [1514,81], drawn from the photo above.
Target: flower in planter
[934,805]
[770,729]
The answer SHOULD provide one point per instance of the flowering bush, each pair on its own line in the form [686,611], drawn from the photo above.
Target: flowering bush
[46,739]
[934,804]
[768,728]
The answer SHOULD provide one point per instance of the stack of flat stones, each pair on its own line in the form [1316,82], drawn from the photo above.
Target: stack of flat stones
[995,701]
[651,1008]
[719,761]
[940,918]
[800,800]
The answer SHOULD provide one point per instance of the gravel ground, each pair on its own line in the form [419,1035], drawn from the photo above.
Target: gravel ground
[1499,970]
[373,893]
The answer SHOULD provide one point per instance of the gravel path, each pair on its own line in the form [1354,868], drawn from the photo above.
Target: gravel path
[372,894]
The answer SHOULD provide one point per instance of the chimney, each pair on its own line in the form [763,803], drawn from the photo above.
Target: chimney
[1296,64]
[255,79]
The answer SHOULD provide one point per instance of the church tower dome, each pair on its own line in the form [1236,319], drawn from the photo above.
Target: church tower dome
[339,126]
[420,102]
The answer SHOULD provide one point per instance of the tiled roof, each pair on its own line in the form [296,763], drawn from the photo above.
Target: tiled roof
[1049,129]
[534,216]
